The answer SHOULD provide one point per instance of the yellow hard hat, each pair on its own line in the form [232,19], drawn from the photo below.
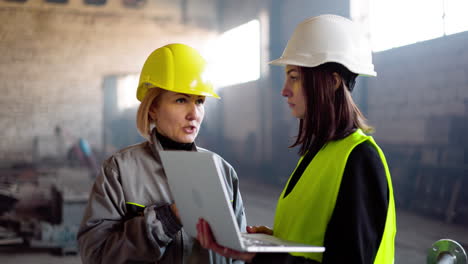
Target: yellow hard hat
[175,67]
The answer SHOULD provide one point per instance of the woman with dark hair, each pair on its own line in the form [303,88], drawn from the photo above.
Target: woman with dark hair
[340,195]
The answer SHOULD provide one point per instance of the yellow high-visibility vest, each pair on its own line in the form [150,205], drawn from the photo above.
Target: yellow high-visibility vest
[303,215]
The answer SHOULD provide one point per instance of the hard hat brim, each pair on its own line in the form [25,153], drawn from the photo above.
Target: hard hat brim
[141,92]
[282,61]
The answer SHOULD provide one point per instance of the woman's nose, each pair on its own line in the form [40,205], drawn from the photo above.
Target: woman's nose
[193,112]
[286,91]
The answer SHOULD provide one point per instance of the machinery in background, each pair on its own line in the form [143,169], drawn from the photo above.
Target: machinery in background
[42,202]
[42,208]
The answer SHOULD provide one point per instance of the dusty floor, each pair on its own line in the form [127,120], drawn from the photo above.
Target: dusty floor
[415,233]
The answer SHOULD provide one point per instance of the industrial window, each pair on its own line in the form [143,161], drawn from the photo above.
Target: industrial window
[126,91]
[395,23]
[95,2]
[57,1]
[234,56]
[134,3]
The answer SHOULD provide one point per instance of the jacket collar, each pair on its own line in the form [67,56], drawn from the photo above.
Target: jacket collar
[156,146]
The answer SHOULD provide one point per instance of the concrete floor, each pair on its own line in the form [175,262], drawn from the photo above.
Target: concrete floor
[415,233]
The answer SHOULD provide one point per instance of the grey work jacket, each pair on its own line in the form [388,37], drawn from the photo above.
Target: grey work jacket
[108,235]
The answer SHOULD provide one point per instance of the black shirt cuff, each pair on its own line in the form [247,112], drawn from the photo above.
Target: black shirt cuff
[169,221]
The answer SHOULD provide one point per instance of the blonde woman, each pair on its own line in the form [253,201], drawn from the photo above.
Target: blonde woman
[131,216]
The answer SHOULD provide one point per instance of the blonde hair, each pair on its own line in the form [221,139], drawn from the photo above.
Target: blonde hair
[143,119]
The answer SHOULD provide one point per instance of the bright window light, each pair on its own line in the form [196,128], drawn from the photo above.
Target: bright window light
[456,17]
[126,92]
[401,22]
[395,23]
[234,57]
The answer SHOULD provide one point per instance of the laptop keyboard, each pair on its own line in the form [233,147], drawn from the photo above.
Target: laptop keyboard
[259,240]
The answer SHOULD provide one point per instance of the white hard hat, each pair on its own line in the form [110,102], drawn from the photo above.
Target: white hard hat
[328,38]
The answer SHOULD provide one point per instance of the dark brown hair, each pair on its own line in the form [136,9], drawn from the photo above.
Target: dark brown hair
[330,114]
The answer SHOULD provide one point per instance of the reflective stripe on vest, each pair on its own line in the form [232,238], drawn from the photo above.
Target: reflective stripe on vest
[303,215]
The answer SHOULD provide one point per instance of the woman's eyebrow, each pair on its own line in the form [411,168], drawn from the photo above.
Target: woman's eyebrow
[186,95]
[291,70]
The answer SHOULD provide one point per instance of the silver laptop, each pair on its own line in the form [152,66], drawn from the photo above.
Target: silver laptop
[199,190]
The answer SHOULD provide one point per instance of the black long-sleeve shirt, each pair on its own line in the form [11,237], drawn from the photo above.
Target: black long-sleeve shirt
[357,224]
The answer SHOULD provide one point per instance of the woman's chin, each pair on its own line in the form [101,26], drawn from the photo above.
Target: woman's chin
[186,139]
[297,115]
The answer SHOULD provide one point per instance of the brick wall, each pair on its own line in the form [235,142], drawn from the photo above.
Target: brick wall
[54,58]
[419,88]
[418,104]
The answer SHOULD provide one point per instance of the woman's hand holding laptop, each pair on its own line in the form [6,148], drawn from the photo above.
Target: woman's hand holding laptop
[260,229]
[206,239]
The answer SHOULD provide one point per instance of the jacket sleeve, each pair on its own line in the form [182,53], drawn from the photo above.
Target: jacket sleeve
[238,204]
[238,207]
[108,235]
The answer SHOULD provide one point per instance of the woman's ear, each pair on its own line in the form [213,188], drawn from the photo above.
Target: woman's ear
[152,113]
[337,80]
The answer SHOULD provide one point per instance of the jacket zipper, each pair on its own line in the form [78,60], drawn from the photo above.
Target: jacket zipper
[182,246]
